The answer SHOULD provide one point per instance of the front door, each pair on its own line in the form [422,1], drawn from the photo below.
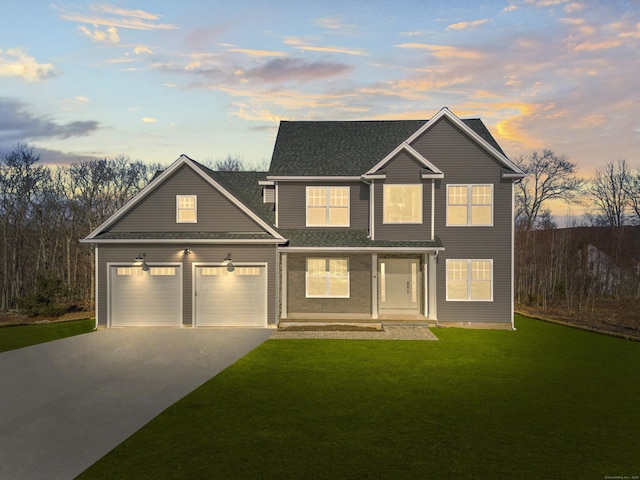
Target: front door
[399,285]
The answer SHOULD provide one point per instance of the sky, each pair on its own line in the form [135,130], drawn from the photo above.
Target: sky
[156,79]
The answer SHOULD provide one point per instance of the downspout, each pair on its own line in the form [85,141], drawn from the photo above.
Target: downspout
[96,273]
[371,235]
[513,278]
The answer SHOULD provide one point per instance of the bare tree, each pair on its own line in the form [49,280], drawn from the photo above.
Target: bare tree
[549,177]
[20,184]
[609,192]
[633,190]
[229,164]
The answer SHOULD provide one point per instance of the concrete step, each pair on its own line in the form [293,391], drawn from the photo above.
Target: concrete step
[331,326]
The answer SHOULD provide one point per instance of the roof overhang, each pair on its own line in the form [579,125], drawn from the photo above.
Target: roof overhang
[446,113]
[306,178]
[513,175]
[412,152]
[363,249]
[171,241]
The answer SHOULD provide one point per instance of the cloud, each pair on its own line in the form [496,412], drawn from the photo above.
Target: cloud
[112,16]
[465,25]
[334,24]
[170,85]
[257,53]
[74,103]
[594,46]
[413,34]
[574,7]
[15,63]
[112,9]
[110,36]
[148,119]
[304,46]
[140,49]
[295,69]
[444,51]
[17,124]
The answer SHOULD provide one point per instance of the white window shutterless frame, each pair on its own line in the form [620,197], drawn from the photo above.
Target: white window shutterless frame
[327,206]
[402,203]
[469,205]
[186,209]
[327,278]
[470,280]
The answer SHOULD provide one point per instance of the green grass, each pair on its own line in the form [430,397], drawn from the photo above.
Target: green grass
[544,402]
[19,336]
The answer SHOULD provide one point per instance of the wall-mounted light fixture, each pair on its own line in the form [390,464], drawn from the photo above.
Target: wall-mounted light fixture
[227,261]
[142,258]
[186,251]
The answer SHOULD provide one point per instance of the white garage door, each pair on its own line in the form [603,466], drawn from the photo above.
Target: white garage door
[237,298]
[152,298]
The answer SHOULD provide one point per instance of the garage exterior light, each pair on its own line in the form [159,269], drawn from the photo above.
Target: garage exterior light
[227,261]
[142,257]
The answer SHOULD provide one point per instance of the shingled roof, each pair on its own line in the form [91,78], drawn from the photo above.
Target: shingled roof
[244,186]
[345,148]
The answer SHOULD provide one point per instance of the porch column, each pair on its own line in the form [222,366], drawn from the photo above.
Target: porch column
[374,286]
[425,282]
[283,286]
[433,308]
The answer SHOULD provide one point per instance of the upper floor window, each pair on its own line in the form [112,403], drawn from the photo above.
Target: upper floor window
[469,205]
[327,206]
[470,280]
[402,203]
[186,208]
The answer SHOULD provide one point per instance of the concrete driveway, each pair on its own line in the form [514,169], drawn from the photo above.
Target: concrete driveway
[65,404]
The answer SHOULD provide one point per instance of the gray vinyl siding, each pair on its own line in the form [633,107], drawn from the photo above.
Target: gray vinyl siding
[157,211]
[402,170]
[213,254]
[464,162]
[359,301]
[292,202]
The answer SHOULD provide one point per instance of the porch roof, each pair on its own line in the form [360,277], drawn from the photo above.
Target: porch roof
[351,239]
[169,237]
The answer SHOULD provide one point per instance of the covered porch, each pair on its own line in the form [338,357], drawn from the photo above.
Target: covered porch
[368,286]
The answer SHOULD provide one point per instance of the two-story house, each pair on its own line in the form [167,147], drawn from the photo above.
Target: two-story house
[405,221]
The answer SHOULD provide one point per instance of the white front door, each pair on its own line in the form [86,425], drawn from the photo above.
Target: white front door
[237,298]
[399,285]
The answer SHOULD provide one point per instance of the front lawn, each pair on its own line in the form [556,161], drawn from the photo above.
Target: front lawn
[544,402]
[18,336]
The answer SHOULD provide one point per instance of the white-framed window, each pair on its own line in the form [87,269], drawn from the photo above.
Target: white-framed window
[186,209]
[162,271]
[328,206]
[237,271]
[327,278]
[469,205]
[470,280]
[129,271]
[402,203]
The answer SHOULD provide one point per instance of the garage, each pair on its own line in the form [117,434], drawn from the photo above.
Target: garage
[230,296]
[149,298]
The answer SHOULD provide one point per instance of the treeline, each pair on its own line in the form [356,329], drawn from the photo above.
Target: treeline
[44,211]
[596,258]
[574,268]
